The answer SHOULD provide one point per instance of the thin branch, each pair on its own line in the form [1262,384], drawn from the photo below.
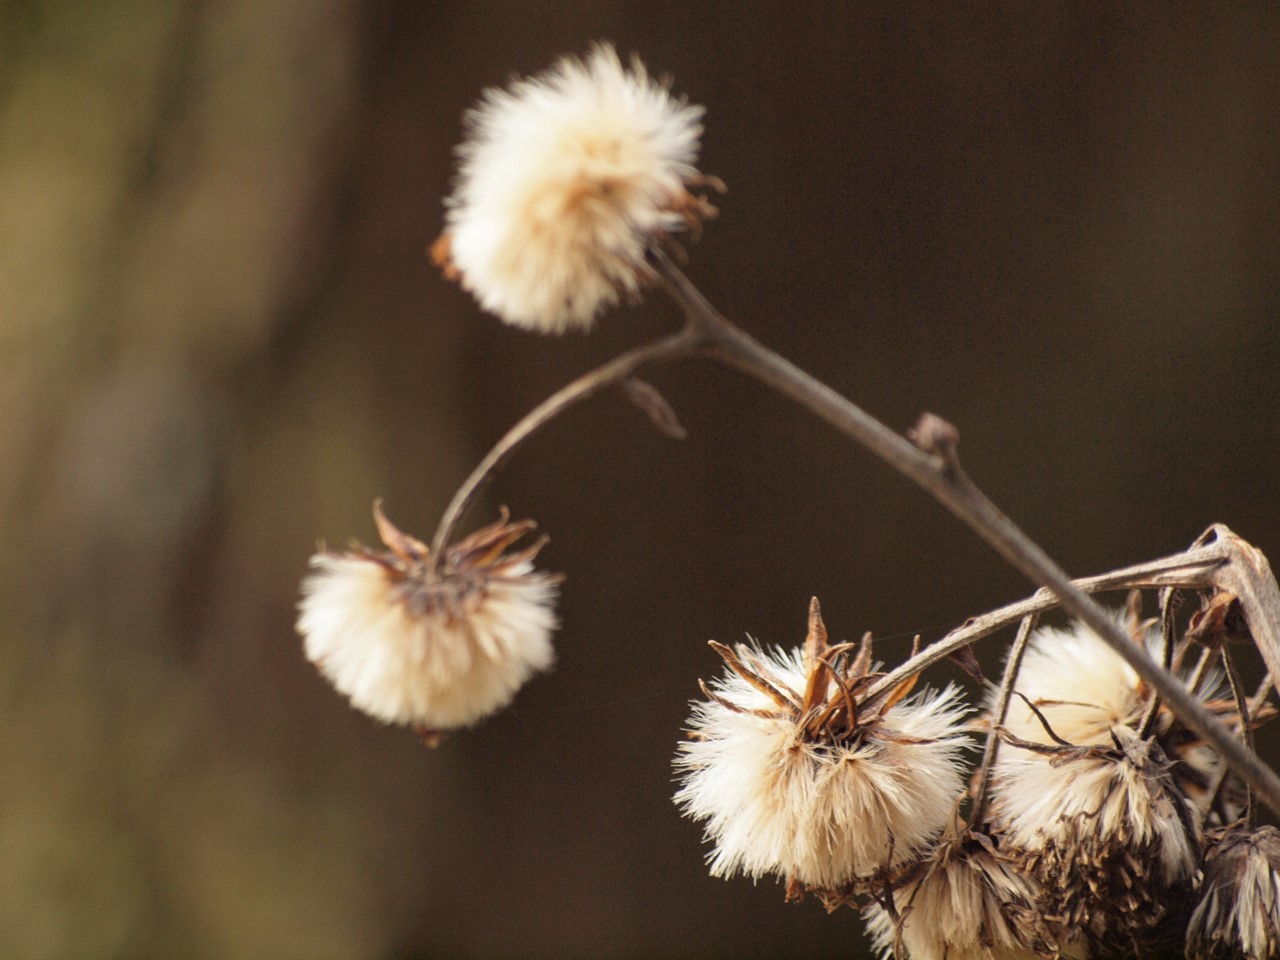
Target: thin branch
[1192,568]
[989,752]
[1167,612]
[1246,723]
[955,491]
[681,344]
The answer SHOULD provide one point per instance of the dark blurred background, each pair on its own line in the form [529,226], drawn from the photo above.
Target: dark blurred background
[1054,224]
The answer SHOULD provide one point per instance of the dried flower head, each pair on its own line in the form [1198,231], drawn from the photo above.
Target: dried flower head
[564,181]
[1087,803]
[1238,913]
[432,647]
[1104,831]
[961,902]
[798,773]
[1079,684]
[1079,690]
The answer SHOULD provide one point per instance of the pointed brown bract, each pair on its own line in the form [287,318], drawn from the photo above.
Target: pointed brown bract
[815,652]
[441,253]
[407,549]
[1220,621]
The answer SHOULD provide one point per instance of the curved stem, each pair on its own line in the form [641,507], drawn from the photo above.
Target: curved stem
[1192,569]
[1246,725]
[940,476]
[998,715]
[1168,597]
[680,344]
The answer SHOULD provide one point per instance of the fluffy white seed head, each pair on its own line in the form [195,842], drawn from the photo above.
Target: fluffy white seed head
[432,649]
[1098,803]
[1088,805]
[1238,913]
[962,903]
[564,179]
[777,799]
[1086,692]
[1083,688]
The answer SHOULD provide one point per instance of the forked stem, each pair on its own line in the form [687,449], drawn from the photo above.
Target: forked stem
[934,466]
[680,344]
[938,473]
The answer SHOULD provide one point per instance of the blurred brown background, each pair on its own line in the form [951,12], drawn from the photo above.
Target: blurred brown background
[1054,224]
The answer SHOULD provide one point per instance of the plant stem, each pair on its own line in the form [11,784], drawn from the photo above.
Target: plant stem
[680,344]
[992,747]
[940,476]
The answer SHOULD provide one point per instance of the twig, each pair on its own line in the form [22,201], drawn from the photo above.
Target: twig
[952,488]
[1246,723]
[681,344]
[1011,668]
[1191,569]
[1222,558]
[1167,606]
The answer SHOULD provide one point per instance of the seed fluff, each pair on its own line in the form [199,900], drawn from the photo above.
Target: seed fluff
[564,180]
[796,772]
[431,648]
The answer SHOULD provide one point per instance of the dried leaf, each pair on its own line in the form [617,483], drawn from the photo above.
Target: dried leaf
[654,405]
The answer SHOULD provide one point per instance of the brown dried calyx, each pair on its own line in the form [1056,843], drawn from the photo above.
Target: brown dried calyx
[830,708]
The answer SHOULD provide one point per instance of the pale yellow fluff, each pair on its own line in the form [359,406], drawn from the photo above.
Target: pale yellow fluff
[563,181]
[775,802]
[434,669]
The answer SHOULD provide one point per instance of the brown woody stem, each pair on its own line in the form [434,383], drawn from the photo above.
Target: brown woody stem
[938,475]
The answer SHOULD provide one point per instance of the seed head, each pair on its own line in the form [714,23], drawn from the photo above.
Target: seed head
[1086,804]
[432,648]
[564,180]
[1238,913]
[798,773]
[963,901]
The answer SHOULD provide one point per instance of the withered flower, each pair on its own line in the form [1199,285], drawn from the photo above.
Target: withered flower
[564,180]
[1088,804]
[1084,690]
[433,647]
[1238,913]
[798,773]
[962,901]
[1104,831]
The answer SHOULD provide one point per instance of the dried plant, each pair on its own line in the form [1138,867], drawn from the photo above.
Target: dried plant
[1113,810]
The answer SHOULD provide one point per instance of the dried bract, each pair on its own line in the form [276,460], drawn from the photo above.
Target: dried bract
[797,773]
[1238,913]
[432,648]
[564,181]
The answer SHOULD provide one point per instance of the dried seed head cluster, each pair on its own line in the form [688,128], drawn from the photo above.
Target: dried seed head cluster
[798,773]
[1098,822]
[1084,847]
[432,647]
[1238,913]
[564,180]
